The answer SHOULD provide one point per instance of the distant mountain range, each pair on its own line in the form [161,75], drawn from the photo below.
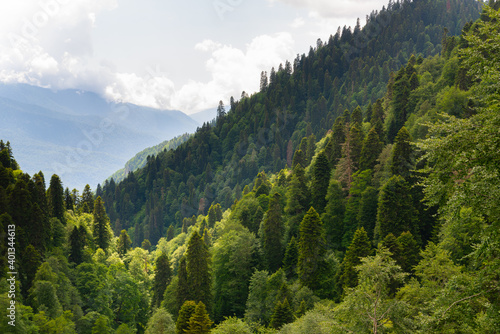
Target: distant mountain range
[79,135]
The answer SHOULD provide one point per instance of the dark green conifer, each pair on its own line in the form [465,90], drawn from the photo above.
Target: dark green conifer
[297,200]
[402,154]
[124,243]
[291,258]
[359,247]
[163,275]
[333,218]
[395,212]
[320,180]
[372,147]
[272,234]
[282,315]
[186,311]
[183,289]
[86,204]
[198,270]
[102,230]
[56,198]
[311,249]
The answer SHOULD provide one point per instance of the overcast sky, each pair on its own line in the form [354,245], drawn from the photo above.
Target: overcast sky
[184,55]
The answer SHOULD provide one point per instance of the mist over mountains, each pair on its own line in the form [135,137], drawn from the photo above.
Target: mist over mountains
[79,135]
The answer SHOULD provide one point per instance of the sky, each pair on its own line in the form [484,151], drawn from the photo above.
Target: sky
[185,55]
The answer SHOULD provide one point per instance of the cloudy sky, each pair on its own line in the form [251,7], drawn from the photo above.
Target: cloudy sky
[184,55]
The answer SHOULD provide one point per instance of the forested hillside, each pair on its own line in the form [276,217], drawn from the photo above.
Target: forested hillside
[298,103]
[301,210]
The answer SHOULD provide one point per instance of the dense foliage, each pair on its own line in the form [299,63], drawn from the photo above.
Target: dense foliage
[382,218]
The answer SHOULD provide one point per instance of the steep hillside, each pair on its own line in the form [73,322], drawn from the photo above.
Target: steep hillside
[297,104]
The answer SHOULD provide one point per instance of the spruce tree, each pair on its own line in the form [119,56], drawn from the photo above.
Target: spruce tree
[76,244]
[272,233]
[183,290]
[198,270]
[367,214]
[86,203]
[297,200]
[333,218]
[56,198]
[102,230]
[282,315]
[311,249]
[357,117]
[402,154]
[337,139]
[199,322]
[124,243]
[357,137]
[372,147]
[320,180]
[298,158]
[170,232]
[359,247]
[68,200]
[395,213]
[410,252]
[163,275]
[290,259]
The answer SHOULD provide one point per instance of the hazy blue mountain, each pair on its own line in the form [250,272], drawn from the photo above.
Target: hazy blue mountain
[205,115]
[79,135]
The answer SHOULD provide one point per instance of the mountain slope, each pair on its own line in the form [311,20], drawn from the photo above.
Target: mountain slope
[297,104]
[79,135]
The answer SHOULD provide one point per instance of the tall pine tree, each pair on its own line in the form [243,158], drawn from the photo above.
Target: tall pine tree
[272,233]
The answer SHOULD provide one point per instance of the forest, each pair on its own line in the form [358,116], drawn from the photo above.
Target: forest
[357,192]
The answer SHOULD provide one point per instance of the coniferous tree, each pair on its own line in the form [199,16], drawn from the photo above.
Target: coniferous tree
[56,198]
[101,326]
[124,243]
[86,204]
[395,213]
[359,247]
[146,244]
[185,313]
[297,200]
[282,315]
[163,275]
[183,289]
[311,249]
[198,270]
[372,147]
[68,200]
[298,158]
[77,243]
[337,140]
[291,258]
[272,232]
[357,117]
[320,180]
[367,214]
[199,322]
[410,252]
[333,218]
[102,230]
[402,154]
[170,232]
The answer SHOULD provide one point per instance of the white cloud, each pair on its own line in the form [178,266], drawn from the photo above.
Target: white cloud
[298,22]
[234,70]
[338,8]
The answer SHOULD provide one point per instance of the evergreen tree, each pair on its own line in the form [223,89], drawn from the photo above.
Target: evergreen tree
[338,138]
[402,154]
[357,117]
[124,243]
[290,259]
[86,204]
[333,218]
[170,232]
[272,232]
[395,213]
[282,315]
[199,322]
[68,200]
[198,270]
[320,180]
[360,247]
[183,289]
[185,313]
[410,252]
[146,244]
[399,104]
[367,213]
[163,275]
[102,230]
[76,243]
[372,147]
[356,144]
[56,198]
[311,249]
[297,200]
[298,159]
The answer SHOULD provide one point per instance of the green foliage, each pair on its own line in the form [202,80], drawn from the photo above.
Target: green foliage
[272,229]
[372,147]
[333,218]
[124,243]
[232,325]
[402,154]
[360,247]
[199,322]
[283,314]
[160,323]
[199,278]
[185,313]
[163,275]
[102,230]
[101,326]
[311,250]
[320,181]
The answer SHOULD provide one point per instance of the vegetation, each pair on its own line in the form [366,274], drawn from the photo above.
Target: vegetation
[338,199]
